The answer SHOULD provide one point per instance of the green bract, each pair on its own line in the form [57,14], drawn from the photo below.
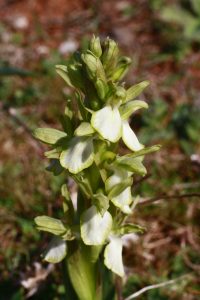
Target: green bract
[94,122]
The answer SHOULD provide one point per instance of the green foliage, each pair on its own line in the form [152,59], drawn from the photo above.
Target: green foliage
[188,20]
[181,125]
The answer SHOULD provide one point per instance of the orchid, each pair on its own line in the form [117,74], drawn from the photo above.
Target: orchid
[94,121]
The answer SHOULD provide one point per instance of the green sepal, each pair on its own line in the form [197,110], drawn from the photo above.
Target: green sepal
[132,164]
[127,109]
[145,151]
[62,71]
[84,129]
[121,68]
[136,90]
[129,228]
[49,135]
[56,251]
[52,225]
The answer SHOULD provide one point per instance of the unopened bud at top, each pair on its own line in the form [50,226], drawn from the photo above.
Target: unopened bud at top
[95,46]
[94,66]
[110,55]
[121,69]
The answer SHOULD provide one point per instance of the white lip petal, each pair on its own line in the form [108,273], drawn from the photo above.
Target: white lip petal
[129,137]
[116,178]
[113,256]
[123,200]
[107,122]
[78,156]
[95,228]
[56,251]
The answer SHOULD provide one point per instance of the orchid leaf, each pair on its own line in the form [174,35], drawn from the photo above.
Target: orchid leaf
[94,227]
[78,156]
[56,251]
[113,256]
[107,122]
[49,135]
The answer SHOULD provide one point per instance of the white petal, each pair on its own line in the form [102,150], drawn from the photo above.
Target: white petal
[95,228]
[78,156]
[113,256]
[107,122]
[116,178]
[56,251]
[123,200]
[129,137]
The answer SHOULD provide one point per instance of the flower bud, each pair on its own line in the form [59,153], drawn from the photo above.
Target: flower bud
[94,67]
[101,88]
[95,46]
[110,55]
[121,69]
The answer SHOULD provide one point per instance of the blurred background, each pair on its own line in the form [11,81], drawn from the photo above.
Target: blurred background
[163,39]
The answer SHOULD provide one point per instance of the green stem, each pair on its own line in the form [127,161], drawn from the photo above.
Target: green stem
[83,273]
[69,290]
